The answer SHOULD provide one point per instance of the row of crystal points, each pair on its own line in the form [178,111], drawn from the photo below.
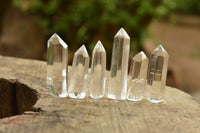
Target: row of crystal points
[141,84]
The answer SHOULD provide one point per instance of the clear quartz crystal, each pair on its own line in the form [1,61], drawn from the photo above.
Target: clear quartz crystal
[119,66]
[79,74]
[57,59]
[157,75]
[137,77]
[98,70]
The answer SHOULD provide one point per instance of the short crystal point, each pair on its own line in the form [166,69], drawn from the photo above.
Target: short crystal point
[82,50]
[98,70]
[160,51]
[137,77]
[55,39]
[79,74]
[140,56]
[117,86]
[99,46]
[57,58]
[122,33]
[157,75]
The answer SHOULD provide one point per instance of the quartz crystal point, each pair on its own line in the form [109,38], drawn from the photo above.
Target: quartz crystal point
[137,77]
[119,66]
[157,75]
[57,59]
[79,74]
[98,70]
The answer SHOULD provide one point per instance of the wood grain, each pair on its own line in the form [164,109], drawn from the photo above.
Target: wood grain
[178,114]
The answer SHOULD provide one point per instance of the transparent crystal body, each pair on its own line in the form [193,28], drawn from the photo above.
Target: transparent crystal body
[79,74]
[57,59]
[157,75]
[98,70]
[137,77]
[119,66]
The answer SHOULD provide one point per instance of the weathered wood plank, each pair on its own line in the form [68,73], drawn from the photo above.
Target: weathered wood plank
[179,114]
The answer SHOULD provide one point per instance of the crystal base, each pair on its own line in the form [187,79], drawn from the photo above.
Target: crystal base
[117,98]
[63,95]
[96,96]
[77,96]
[52,91]
[135,99]
[154,100]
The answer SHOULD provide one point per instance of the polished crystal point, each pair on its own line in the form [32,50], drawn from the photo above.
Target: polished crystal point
[119,66]
[157,75]
[137,77]
[79,74]
[57,59]
[98,70]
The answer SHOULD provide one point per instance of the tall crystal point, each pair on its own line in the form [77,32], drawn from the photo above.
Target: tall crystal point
[98,70]
[157,75]
[119,66]
[57,59]
[137,77]
[79,74]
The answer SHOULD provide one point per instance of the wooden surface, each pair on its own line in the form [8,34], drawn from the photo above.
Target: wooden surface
[22,85]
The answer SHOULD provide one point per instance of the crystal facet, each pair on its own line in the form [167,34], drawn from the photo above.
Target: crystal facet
[57,59]
[98,70]
[157,75]
[137,77]
[119,66]
[79,74]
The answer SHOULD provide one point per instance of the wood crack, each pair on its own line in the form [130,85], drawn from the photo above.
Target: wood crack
[15,98]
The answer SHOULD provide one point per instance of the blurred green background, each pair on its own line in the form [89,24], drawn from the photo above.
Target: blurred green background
[26,25]
[85,22]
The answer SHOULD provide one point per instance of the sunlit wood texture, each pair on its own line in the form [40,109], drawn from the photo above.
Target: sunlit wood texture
[23,82]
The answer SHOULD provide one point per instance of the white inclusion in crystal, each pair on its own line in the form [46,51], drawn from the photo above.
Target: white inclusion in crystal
[119,66]
[137,77]
[98,70]
[79,74]
[57,59]
[157,75]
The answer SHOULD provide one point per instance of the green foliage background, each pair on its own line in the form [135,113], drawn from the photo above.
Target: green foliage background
[87,21]
[184,6]
[81,21]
